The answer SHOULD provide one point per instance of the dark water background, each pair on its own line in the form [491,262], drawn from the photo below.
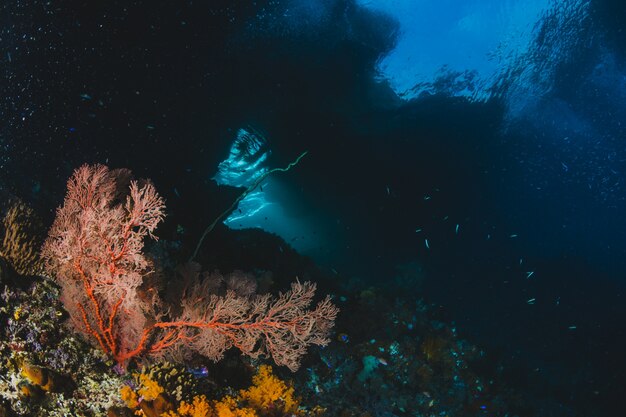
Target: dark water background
[160,87]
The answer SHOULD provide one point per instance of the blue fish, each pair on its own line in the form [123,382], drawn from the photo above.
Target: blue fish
[201,372]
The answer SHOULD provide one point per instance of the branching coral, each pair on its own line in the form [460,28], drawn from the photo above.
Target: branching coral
[21,239]
[95,253]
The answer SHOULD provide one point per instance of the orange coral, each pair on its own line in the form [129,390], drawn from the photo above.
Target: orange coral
[228,407]
[268,395]
[269,391]
[201,407]
[129,397]
[149,395]
[150,389]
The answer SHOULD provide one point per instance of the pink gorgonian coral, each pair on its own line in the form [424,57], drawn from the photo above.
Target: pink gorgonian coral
[94,251]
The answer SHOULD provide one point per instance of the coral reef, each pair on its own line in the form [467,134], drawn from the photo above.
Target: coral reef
[268,396]
[392,356]
[22,236]
[44,369]
[269,392]
[94,251]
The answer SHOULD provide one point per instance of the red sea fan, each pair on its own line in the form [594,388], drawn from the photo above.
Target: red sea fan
[94,251]
[281,327]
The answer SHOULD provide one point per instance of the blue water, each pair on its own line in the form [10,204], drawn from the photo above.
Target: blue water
[459,48]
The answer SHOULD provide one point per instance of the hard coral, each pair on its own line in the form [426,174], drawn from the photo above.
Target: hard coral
[21,239]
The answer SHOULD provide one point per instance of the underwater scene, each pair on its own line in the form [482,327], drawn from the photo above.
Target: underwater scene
[309,208]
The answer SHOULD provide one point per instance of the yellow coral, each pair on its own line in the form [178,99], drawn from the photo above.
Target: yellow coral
[201,407]
[269,391]
[198,408]
[21,239]
[149,389]
[228,407]
[129,397]
[267,394]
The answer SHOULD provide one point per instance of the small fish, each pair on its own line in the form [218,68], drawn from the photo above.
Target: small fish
[426,243]
[513,236]
[9,56]
[531,301]
[456,230]
[85,96]
[529,274]
[199,372]
[382,361]
[572,327]
[327,362]
[343,338]
[418,230]
[427,197]
[27,390]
